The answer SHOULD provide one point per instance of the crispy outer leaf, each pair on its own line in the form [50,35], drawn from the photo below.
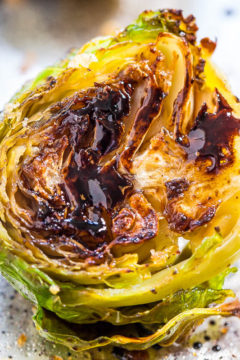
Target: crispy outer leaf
[36,286]
[54,329]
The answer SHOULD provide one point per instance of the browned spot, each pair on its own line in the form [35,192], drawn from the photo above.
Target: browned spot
[210,142]
[199,69]
[176,188]
[135,224]
[180,222]
[123,222]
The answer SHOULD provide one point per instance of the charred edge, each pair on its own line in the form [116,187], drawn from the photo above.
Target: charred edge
[191,27]
[177,24]
[180,222]
[208,44]
[170,19]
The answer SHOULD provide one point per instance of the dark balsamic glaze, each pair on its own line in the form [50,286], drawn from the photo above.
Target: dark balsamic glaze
[93,188]
[93,125]
[84,135]
[210,145]
[212,136]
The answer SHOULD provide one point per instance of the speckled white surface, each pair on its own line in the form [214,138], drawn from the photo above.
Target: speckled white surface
[35,33]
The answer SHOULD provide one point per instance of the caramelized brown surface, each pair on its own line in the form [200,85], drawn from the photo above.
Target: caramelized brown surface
[129,161]
[83,201]
[186,176]
[211,139]
[86,184]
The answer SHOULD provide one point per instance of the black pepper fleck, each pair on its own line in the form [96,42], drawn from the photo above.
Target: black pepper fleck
[197,345]
[216,348]
[153,291]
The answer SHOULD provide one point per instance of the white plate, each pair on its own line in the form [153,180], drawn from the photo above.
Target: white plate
[36,33]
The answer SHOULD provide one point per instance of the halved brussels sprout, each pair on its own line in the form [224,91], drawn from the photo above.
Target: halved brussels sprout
[109,161]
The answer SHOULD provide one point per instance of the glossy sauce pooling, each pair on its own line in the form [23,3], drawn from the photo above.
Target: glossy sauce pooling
[90,126]
[92,188]
[211,139]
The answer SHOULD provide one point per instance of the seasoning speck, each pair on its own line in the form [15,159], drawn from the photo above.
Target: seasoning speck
[22,340]
[197,345]
[216,348]
[224,330]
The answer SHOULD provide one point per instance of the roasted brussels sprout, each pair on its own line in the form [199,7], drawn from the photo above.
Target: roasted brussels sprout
[119,188]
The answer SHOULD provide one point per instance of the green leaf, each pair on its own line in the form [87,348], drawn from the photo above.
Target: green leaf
[84,337]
